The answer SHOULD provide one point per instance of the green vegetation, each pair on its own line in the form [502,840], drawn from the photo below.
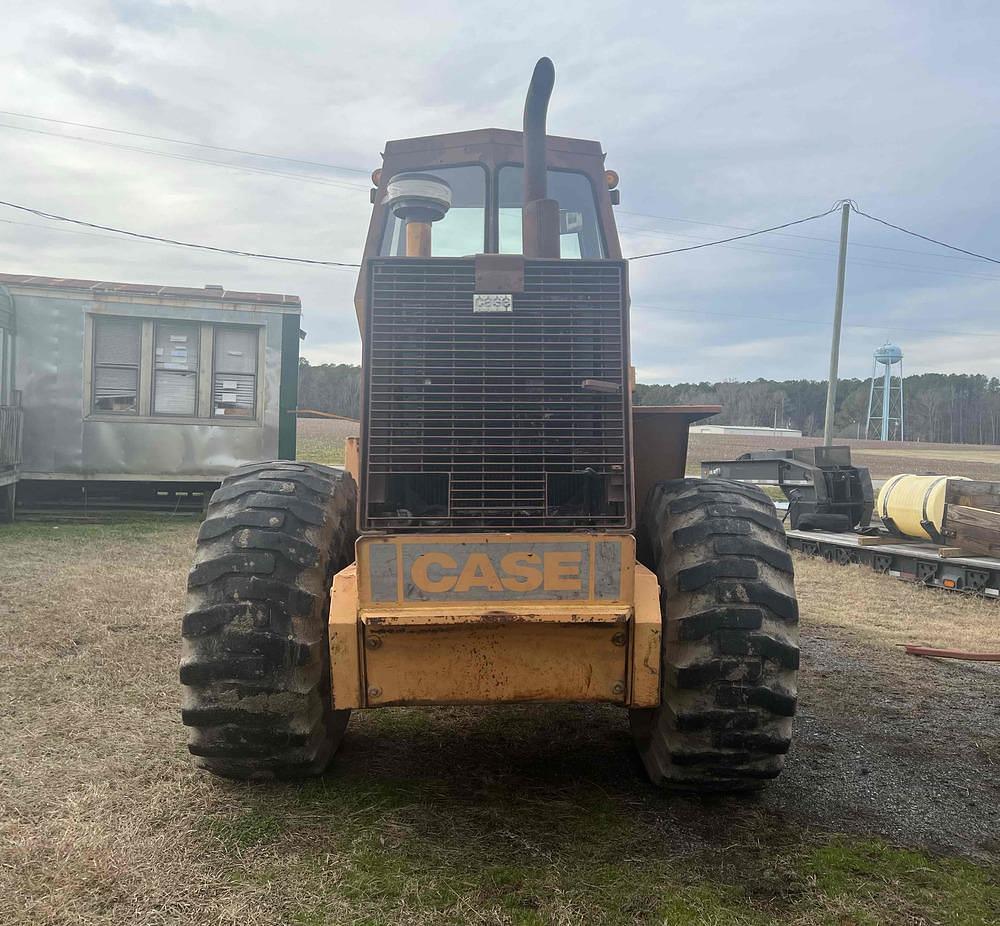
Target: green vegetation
[504,855]
[118,526]
[330,387]
[319,450]
[947,408]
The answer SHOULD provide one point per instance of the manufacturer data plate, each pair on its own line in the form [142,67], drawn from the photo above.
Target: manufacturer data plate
[492,302]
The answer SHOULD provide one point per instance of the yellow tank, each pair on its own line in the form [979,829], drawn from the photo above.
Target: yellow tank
[909,503]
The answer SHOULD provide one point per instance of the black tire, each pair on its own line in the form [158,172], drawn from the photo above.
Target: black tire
[730,642]
[255,662]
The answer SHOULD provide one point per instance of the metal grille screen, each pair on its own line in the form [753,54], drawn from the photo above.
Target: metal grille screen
[498,419]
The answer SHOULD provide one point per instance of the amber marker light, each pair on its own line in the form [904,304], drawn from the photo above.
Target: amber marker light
[611,178]
[376,176]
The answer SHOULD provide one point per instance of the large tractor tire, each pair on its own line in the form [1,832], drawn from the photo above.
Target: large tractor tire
[730,642]
[255,661]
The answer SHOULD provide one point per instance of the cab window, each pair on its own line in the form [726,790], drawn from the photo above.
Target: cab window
[579,231]
[463,229]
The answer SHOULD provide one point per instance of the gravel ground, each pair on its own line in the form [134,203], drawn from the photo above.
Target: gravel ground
[893,745]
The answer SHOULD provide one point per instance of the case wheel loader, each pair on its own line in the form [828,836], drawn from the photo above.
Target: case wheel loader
[481,543]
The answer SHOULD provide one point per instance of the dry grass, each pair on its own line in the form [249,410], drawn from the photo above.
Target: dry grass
[321,440]
[888,613]
[513,815]
[884,460]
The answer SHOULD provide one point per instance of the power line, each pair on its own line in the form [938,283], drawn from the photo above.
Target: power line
[705,244]
[183,244]
[187,157]
[907,231]
[180,141]
[854,244]
[327,166]
[807,255]
[762,231]
[115,237]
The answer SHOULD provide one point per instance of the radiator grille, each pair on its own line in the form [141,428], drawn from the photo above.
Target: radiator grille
[483,420]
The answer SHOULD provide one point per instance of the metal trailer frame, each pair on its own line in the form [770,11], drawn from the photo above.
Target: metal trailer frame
[820,483]
[911,562]
[73,449]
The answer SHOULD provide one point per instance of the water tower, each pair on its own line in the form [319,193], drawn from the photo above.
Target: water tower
[885,401]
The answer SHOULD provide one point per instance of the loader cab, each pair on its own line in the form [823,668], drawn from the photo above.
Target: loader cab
[484,172]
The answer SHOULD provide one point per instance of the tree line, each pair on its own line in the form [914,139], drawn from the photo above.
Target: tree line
[938,407]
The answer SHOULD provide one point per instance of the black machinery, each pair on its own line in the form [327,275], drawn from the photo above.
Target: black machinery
[824,491]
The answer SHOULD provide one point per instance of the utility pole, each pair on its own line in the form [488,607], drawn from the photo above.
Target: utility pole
[838,314]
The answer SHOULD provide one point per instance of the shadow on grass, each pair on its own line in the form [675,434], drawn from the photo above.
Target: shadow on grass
[537,814]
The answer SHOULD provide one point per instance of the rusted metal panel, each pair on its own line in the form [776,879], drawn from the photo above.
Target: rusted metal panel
[428,569]
[645,641]
[352,458]
[660,442]
[936,653]
[451,650]
[482,420]
[490,148]
[499,273]
[481,661]
[345,654]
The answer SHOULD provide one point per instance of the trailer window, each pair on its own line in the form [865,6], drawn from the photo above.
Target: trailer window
[463,229]
[116,365]
[579,229]
[175,369]
[234,375]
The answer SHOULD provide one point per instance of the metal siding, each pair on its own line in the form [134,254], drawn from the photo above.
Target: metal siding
[58,439]
[288,398]
[6,308]
[49,373]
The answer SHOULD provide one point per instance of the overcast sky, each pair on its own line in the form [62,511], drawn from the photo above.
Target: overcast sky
[715,114]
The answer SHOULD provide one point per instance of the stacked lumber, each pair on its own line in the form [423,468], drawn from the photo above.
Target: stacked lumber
[972,516]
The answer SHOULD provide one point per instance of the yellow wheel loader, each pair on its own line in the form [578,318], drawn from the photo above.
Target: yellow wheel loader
[481,544]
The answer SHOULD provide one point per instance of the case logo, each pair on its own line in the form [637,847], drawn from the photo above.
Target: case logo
[554,571]
[492,302]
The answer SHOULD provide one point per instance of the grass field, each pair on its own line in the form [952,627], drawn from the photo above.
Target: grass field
[322,441]
[884,460]
[519,814]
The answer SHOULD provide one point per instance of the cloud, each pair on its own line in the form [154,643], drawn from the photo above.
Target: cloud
[152,15]
[113,92]
[82,47]
[715,115]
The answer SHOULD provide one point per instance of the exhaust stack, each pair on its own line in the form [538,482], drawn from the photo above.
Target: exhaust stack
[540,215]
